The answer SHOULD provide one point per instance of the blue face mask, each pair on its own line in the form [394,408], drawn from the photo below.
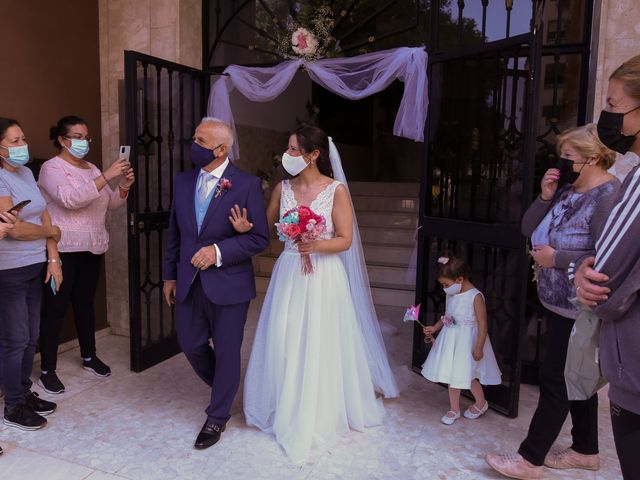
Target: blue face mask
[201,156]
[18,156]
[79,147]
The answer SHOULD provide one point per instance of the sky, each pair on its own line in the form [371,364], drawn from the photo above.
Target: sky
[497,17]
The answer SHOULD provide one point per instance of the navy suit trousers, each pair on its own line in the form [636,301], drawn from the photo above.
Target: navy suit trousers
[199,320]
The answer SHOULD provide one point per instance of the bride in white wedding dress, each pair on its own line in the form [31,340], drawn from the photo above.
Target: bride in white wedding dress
[318,357]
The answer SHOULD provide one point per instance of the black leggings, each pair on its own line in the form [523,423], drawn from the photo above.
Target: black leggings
[553,403]
[626,434]
[81,271]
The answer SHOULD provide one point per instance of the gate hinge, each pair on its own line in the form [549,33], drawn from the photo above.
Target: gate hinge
[132,223]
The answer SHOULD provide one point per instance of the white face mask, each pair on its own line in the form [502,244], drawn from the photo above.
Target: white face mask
[293,165]
[453,289]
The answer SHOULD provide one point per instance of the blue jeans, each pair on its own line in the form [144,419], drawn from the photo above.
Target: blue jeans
[21,290]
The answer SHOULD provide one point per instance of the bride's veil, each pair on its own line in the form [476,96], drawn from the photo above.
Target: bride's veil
[354,263]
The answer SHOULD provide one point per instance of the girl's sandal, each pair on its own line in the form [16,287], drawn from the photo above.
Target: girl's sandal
[450,417]
[474,412]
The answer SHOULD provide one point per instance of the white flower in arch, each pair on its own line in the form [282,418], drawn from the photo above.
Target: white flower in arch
[304,42]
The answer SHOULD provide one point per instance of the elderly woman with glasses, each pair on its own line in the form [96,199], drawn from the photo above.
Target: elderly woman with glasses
[78,196]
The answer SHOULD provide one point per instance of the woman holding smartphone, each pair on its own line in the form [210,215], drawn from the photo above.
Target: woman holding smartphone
[24,252]
[78,196]
[7,219]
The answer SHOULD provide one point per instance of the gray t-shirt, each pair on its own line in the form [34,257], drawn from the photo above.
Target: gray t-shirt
[20,185]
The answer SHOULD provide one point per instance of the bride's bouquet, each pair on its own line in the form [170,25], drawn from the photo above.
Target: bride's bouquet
[301,225]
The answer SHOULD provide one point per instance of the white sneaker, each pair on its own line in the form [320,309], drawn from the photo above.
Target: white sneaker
[450,417]
[473,412]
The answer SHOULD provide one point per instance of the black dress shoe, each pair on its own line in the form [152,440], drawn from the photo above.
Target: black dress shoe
[208,436]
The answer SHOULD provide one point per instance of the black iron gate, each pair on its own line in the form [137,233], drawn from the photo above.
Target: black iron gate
[477,181]
[164,103]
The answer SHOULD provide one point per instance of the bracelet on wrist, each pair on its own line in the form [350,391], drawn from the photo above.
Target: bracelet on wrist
[105,178]
[124,189]
[54,260]
[544,199]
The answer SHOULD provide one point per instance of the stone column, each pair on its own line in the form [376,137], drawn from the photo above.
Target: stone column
[619,40]
[169,29]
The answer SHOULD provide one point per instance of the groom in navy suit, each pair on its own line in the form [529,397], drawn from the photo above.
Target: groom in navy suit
[207,270]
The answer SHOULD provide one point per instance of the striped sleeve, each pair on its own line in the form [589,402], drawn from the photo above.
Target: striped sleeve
[622,222]
[618,251]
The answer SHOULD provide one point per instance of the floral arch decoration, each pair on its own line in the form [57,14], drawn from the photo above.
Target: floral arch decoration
[353,78]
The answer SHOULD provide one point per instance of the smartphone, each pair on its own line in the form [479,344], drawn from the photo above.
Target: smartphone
[19,206]
[52,282]
[124,152]
[16,208]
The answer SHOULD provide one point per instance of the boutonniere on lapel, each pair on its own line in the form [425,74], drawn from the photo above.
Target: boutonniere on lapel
[223,185]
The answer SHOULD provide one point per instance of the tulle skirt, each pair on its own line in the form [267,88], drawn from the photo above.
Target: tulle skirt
[308,381]
[451,361]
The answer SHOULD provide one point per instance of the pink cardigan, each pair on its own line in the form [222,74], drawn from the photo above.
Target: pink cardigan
[76,205]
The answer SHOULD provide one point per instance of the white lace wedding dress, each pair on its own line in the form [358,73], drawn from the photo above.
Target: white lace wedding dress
[308,381]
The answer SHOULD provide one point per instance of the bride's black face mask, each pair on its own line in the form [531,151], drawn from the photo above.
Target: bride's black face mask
[610,131]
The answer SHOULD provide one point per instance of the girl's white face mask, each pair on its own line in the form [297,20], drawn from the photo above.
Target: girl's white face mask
[293,165]
[453,289]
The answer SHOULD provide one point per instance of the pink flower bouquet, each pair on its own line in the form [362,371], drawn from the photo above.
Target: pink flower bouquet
[301,225]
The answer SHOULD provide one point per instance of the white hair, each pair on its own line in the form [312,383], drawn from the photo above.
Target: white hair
[221,124]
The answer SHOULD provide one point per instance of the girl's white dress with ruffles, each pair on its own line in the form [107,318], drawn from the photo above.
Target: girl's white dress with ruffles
[450,360]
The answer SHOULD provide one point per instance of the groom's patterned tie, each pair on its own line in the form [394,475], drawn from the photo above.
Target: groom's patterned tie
[205,182]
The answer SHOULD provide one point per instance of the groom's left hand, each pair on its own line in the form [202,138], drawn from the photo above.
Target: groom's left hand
[204,258]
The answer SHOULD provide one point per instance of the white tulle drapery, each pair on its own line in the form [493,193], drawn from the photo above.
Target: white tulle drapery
[353,78]
[356,267]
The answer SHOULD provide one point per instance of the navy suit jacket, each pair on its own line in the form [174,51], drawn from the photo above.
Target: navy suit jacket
[233,282]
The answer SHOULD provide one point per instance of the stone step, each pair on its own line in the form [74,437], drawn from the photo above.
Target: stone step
[385,204]
[385,189]
[389,275]
[393,297]
[398,297]
[392,236]
[381,254]
[384,220]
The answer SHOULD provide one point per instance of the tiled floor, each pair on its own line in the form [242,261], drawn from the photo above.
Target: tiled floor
[141,426]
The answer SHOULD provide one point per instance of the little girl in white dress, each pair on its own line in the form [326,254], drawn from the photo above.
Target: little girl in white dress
[461,356]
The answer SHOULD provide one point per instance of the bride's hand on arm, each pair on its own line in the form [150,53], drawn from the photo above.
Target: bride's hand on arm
[239,220]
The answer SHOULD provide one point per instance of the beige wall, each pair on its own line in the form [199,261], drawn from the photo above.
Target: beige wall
[49,69]
[619,40]
[169,29]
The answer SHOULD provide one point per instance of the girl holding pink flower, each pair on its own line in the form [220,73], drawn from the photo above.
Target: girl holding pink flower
[462,356]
